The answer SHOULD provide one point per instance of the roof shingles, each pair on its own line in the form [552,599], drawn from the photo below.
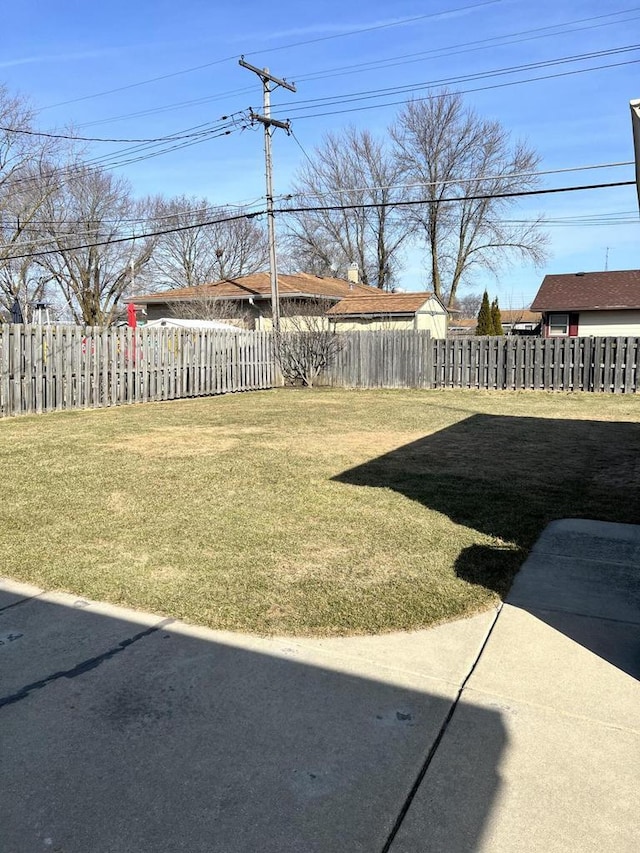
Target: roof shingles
[259,284]
[589,291]
[382,303]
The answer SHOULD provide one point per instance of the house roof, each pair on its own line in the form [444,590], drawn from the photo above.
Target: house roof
[522,315]
[463,323]
[508,317]
[259,284]
[381,303]
[589,291]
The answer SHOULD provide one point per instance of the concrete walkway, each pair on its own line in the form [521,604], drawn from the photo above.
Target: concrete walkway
[121,732]
[561,670]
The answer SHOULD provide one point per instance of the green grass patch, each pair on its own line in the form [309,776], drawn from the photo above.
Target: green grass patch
[309,512]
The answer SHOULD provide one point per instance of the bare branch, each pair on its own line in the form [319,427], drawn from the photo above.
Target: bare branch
[209,252]
[306,344]
[349,168]
[453,153]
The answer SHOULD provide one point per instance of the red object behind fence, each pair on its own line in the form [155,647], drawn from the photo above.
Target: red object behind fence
[131,315]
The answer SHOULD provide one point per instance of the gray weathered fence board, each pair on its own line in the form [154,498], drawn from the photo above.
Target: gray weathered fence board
[411,359]
[47,368]
[60,367]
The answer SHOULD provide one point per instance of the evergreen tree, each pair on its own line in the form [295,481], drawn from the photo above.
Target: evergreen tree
[496,319]
[485,317]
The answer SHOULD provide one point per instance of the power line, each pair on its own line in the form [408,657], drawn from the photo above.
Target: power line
[131,237]
[144,151]
[400,22]
[440,53]
[468,47]
[453,181]
[169,107]
[454,200]
[246,205]
[328,208]
[466,91]
[352,97]
[300,146]
[168,138]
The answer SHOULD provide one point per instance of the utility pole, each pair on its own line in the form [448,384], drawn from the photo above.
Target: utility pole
[268,122]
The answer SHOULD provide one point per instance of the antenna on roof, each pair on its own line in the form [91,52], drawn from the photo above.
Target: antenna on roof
[606,260]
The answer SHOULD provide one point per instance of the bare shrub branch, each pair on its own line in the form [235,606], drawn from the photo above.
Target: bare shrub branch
[306,344]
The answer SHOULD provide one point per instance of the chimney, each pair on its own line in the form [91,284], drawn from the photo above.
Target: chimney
[353,275]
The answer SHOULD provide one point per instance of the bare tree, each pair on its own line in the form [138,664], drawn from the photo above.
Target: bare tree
[28,178]
[468,305]
[83,221]
[355,173]
[463,165]
[306,343]
[211,243]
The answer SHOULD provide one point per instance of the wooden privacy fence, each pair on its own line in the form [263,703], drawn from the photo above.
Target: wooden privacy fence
[547,364]
[51,368]
[382,359]
[412,359]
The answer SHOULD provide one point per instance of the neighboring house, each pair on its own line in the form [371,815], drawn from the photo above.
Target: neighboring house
[461,327]
[246,300]
[521,321]
[390,311]
[590,303]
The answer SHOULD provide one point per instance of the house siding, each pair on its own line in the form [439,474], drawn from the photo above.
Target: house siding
[252,315]
[432,316]
[609,323]
[372,324]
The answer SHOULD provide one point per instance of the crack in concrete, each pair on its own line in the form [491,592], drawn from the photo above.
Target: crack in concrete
[22,601]
[436,743]
[84,666]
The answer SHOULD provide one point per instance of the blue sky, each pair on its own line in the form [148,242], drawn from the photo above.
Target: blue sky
[63,56]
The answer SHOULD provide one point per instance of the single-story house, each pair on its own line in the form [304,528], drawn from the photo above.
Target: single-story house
[521,321]
[390,311]
[461,327]
[246,300]
[590,303]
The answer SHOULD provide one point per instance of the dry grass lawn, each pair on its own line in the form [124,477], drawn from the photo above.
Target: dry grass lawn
[309,512]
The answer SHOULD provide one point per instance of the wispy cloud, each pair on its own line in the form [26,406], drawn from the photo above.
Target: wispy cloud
[58,57]
[328,30]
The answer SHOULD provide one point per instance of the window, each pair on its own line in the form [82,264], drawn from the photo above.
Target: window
[558,324]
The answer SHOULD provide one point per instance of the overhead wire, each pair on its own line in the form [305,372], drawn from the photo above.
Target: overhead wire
[451,181]
[356,31]
[327,208]
[352,97]
[125,156]
[457,91]
[75,138]
[468,47]
[439,53]
[246,205]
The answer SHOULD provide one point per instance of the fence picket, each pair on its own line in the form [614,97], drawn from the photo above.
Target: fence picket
[65,367]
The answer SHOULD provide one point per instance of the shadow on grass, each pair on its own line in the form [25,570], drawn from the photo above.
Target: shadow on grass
[124,734]
[508,477]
